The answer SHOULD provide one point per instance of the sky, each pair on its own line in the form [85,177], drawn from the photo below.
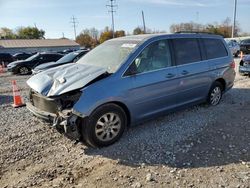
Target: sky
[54,16]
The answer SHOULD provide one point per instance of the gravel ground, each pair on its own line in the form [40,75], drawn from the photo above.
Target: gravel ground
[201,146]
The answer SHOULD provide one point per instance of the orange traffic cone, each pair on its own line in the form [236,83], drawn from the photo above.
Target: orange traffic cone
[18,102]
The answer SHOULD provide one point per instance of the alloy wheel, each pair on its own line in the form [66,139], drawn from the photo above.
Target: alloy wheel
[215,96]
[24,70]
[108,127]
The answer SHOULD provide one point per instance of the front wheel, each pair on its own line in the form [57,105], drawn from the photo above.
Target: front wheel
[215,94]
[104,126]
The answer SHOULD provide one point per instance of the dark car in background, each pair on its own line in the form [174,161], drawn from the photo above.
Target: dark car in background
[245,46]
[244,67]
[5,58]
[69,58]
[25,66]
[21,56]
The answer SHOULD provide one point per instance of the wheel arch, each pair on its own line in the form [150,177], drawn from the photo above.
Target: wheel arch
[123,106]
[222,82]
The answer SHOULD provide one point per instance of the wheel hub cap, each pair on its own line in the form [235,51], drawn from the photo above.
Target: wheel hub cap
[108,126]
[215,96]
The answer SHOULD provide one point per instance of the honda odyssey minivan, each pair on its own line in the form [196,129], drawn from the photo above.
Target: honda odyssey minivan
[128,80]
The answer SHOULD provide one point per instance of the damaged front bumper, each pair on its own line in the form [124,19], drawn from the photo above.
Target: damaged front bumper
[47,116]
[57,111]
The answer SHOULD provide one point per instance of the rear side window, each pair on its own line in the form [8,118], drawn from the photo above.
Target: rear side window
[215,48]
[186,51]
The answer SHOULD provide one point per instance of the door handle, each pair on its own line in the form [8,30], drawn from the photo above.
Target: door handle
[170,75]
[184,72]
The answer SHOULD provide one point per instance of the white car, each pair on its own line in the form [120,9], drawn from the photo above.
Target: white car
[234,47]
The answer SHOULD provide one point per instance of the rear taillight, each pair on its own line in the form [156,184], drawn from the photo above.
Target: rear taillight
[232,65]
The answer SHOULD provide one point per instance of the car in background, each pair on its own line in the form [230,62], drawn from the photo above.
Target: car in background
[5,59]
[69,58]
[21,56]
[244,67]
[234,47]
[245,46]
[24,67]
[128,80]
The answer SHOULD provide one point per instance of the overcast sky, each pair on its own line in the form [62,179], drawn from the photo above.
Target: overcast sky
[54,15]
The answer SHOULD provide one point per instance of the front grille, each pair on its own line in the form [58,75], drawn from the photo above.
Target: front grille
[43,103]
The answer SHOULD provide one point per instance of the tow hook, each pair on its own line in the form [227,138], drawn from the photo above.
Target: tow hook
[66,121]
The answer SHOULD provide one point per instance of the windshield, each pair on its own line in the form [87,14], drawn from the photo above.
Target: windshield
[110,54]
[68,58]
[32,57]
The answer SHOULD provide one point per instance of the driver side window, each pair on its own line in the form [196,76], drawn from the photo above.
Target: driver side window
[153,57]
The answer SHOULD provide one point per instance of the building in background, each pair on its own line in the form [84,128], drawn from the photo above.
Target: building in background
[37,45]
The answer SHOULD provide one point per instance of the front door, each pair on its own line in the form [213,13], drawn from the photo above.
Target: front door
[154,81]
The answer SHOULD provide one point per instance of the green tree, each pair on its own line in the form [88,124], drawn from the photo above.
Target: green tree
[7,33]
[30,33]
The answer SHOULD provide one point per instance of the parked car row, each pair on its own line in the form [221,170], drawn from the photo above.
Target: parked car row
[69,58]
[6,58]
[43,61]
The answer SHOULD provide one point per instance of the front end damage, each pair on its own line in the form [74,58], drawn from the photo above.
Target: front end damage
[57,110]
[55,91]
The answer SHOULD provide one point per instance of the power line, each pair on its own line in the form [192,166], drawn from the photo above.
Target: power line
[111,7]
[74,23]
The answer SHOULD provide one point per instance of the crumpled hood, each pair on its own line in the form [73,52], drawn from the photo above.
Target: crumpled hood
[65,78]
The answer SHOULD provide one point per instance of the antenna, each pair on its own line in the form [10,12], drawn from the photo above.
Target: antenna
[74,23]
[111,7]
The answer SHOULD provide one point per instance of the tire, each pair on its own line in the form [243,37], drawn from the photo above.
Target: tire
[23,70]
[104,126]
[215,94]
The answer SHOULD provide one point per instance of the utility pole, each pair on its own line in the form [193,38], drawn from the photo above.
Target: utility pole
[143,21]
[74,24]
[234,19]
[111,7]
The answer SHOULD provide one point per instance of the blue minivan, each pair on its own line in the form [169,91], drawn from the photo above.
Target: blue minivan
[127,80]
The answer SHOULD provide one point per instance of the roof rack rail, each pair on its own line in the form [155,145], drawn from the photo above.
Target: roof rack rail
[196,32]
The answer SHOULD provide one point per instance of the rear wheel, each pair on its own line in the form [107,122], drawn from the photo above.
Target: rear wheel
[23,70]
[104,126]
[215,94]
